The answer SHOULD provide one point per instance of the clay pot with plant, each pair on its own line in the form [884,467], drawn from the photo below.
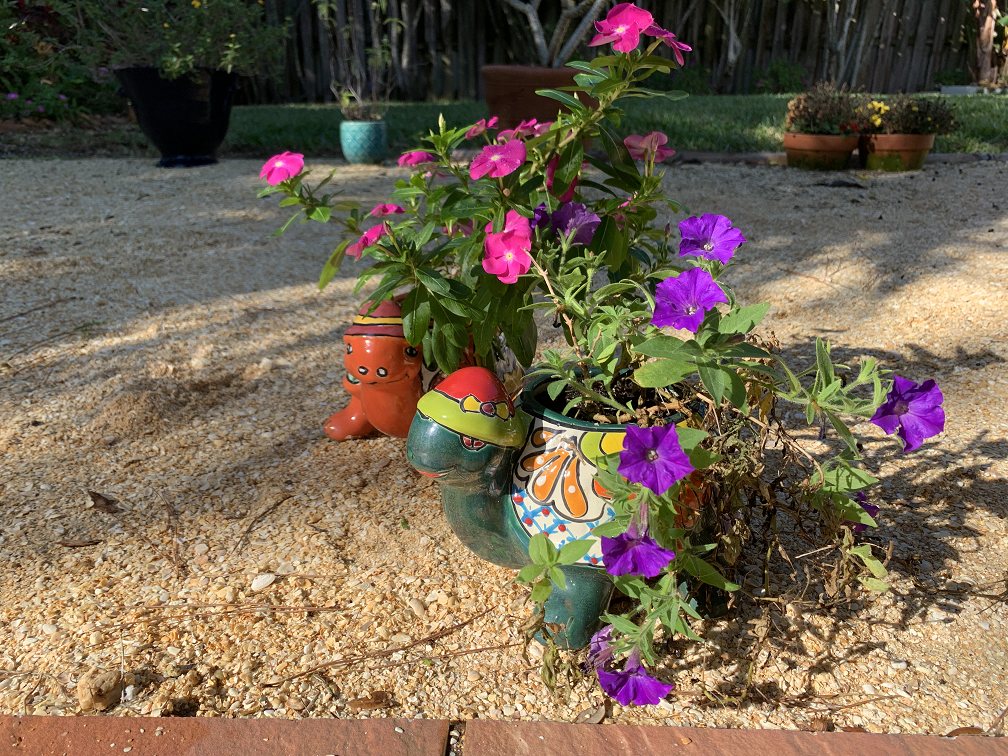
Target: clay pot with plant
[898,133]
[821,131]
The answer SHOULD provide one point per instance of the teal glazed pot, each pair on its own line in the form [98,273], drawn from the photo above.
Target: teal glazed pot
[364,142]
[512,470]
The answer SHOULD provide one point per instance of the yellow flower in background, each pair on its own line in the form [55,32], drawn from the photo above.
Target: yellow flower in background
[876,120]
[166,26]
[196,3]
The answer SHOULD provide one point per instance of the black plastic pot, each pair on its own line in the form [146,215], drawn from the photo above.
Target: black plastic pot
[185,118]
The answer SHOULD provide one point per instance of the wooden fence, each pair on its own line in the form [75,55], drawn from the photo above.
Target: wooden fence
[438,46]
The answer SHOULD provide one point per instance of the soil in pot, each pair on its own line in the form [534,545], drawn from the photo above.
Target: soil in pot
[185,118]
[511,93]
[896,152]
[819,152]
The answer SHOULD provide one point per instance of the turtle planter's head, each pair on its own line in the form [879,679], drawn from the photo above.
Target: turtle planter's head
[377,353]
[465,432]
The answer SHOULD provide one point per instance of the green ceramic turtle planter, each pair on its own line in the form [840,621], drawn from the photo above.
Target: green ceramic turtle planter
[510,472]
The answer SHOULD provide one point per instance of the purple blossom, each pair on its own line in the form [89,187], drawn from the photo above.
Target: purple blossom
[913,412]
[709,236]
[62,96]
[871,509]
[682,301]
[653,457]
[600,648]
[633,685]
[634,553]
[41,109]
[575,218]
[541,216]
[12,95]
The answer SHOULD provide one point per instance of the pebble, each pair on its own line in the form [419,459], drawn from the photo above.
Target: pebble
[899,664]
[868,688]
[49,629]
[201,549]
[418,608]
[473,676]
[109,440]
[263,581]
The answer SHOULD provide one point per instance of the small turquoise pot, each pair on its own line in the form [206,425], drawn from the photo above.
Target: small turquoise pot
[364,142]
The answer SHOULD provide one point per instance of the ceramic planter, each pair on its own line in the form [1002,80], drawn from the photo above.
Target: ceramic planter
[896,152]
[364,142]
[819,152]
[511,93]
[185,118]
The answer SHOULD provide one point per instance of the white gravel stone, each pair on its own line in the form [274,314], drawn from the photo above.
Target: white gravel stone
[263,581]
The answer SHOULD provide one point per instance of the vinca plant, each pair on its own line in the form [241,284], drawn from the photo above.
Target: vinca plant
[654,337]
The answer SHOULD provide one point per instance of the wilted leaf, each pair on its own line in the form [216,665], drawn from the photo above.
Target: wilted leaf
[78,544]
[591,715]
[380,699]
[103,503]
[964,731]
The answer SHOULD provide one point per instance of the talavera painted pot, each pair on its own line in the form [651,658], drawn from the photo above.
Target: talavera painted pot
[510,472]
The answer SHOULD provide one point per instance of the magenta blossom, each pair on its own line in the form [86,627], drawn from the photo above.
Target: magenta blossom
[709,236]
[498,160]
[381,210]
[653,457]
[417,157]
[481,126]
[281,167]
[622,26]
[551,169]
[524,130]
[634,553]
[12,95]
[648,147]
[507,252]
[370,237]
[633,685]
[670,39]
[913,412]
[682,302]
[871,509]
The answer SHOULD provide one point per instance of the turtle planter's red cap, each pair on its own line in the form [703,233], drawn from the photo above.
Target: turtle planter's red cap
[385,320]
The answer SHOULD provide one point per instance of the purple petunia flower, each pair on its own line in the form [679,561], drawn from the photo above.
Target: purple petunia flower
[913,412]
[633,685]
[62,96]
[682,301]
[540,216]
[575,217]
[653,457]
[634,553]
[871,509]
[12,95]
[600,648]
[710,236]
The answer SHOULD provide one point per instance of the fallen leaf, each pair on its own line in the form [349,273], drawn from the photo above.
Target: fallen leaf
[103,503]
[684,740]
[964,731]
[380,699]
[591,715]
[821,724]
[78,544]
[854,728]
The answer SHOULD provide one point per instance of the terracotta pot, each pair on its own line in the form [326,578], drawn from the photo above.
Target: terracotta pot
[511,93]
[819,152]
[896,152]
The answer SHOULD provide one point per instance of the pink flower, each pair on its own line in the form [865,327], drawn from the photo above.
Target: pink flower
[417,157]
[523,130]
[551,169]
[381,210]
[370,237]
[622,26]
[481,126]
[498,160]
[641,148]
[670,39]
[282,167]
[507,252]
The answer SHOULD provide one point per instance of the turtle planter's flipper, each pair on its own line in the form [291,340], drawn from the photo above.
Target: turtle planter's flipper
[578,608]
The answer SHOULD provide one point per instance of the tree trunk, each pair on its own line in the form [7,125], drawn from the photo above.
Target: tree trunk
[433,53]
[395,44]
[797,22]
[984,12]
[762,33]
[780,30]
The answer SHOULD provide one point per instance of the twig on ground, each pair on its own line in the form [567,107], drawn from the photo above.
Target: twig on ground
[53,303]
[995,729]
[173,527]
[237,610]
[452,655]
[255,521]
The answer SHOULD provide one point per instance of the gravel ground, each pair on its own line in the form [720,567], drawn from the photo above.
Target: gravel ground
[157,347]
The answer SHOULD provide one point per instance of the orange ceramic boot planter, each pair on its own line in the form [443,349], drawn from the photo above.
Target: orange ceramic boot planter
[383,376]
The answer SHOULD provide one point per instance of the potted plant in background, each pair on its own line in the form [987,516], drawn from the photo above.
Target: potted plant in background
[179,63]
[899,133]
[639,455]
[821,130]
[367,81]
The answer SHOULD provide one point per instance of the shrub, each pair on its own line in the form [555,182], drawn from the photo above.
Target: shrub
[781,77]
[909,115]
[952,77]
[824,109]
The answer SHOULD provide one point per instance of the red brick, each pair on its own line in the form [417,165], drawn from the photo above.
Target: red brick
[494,738]
[199,736]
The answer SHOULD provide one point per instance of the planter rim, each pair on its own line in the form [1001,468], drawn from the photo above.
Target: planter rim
[348,121]
[904,138]
[531,404]
[801,136]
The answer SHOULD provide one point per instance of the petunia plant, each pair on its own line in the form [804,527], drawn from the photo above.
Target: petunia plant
[651,335]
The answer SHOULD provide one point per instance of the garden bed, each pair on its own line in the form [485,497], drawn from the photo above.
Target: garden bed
[158,348]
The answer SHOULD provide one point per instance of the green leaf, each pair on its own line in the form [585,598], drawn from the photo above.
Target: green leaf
[702,458]
[661,346]
[286,225]
[332,266]
[622,624]
[736,391]
[873,584]
[557,576]
[288,201]
[575,550]
[706,573]
[416,313]
[434,281]
[555,388]
[619,155]
[568,100]
[689,438]
[541,550]
[841,428]
[854,512]
[609,529]
[744,319]
[823,362]
[846,478]
[568,167]
[529,573]
[542,591]
[321,214]
[714,379]
[661,373]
